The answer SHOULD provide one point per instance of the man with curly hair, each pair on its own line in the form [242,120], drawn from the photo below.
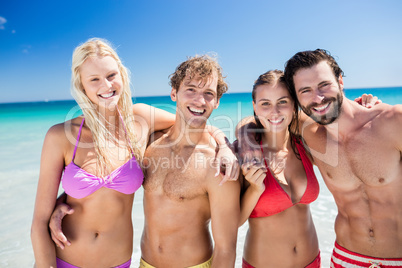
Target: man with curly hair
[181,193]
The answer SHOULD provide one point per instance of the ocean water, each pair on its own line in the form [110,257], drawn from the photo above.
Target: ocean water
[22,130]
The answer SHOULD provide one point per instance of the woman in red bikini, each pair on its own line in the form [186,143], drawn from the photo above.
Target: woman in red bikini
[277,193]
[97,158]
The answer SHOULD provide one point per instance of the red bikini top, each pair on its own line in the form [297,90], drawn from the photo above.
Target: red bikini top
[274,199]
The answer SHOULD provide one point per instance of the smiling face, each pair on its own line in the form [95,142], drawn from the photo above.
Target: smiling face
[101,80]
[196,98]
[274,106]
[319,93]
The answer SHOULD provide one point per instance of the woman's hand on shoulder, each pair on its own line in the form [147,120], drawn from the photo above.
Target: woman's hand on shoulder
[368,100]
[226,163]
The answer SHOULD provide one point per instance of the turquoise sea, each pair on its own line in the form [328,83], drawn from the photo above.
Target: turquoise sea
[22,130]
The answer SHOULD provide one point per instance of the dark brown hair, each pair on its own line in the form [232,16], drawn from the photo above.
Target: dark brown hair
[273,77]
[307,59]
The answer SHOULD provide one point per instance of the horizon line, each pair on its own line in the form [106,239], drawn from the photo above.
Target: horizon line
[158,96]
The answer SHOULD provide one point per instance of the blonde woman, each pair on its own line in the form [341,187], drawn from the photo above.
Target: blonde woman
[99,154]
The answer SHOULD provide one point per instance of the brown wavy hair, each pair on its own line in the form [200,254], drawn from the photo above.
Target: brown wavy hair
[204,66]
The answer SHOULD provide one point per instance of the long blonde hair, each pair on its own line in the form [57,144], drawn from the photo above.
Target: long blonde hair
[96,47]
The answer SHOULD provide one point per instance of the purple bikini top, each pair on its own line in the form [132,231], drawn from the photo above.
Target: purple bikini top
[79,183]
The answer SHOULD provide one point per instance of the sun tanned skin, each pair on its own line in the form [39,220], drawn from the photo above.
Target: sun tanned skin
[287,239]
[182,194]
[101,228]
[359,157]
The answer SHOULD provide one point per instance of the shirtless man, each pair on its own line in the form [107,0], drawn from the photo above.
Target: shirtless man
[182,195]
[181,199]
[359,154]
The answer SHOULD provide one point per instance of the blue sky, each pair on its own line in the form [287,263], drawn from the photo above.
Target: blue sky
[153,36]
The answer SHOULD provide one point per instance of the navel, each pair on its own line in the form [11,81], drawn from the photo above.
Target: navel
[371,232]
[381,180]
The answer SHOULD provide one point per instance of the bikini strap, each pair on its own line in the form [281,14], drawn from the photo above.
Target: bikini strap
[78,138]
[303,155]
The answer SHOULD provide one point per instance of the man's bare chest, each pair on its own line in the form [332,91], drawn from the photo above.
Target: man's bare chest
[361,157]
[177,175]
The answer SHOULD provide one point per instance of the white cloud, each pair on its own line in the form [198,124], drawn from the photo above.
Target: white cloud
[2,22]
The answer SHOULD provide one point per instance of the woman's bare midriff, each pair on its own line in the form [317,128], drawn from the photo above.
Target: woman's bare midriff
[287,239]
[99,220]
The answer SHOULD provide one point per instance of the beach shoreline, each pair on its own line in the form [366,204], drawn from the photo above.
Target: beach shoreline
[22,133]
